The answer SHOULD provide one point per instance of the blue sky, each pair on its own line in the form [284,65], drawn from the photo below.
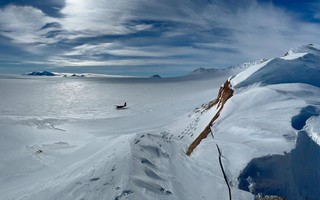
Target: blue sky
[145,37]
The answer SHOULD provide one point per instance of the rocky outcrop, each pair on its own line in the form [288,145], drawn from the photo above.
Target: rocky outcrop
[225,92]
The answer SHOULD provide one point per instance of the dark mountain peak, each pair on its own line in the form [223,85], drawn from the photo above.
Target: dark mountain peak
[40,73]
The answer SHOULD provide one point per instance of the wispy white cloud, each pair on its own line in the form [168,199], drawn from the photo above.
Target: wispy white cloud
[122,50]
[89,49]
[100,17]
[22,24]
[61,61]
[269,31]
[146,32]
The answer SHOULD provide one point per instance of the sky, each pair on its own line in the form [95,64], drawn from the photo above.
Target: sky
[146,37]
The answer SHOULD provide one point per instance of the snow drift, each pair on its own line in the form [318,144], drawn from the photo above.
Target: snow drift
[293,175]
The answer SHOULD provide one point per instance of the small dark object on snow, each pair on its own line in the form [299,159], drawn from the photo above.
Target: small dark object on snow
[94,179]
[39,151]
[122,107]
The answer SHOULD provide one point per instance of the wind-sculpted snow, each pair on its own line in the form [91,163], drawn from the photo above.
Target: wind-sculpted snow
[313,128]
[299,121]
[294,79]
[287,108]
[293,176]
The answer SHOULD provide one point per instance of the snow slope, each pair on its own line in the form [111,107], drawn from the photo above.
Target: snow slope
[301,65]
[63,139]
[284,93]
[89,150]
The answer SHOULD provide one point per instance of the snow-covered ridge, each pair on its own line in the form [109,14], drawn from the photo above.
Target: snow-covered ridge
[277,80]
[301,66]
[310,48]
[205,70]
[248,64]
[235,68]
[294,79]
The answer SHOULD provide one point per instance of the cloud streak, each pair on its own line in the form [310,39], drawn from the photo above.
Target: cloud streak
[150,32]
[22,24]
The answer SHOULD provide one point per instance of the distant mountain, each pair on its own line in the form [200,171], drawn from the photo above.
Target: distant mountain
[236,68]
[77,75]
[247,64]
[156,76]
[204,70]
[40,73]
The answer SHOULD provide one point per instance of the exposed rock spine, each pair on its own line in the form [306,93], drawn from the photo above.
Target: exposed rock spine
[224,94]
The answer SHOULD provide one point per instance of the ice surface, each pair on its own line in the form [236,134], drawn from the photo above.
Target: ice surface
[62,138]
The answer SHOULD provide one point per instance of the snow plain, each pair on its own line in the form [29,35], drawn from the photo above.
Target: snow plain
[62,138]
[90,150]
